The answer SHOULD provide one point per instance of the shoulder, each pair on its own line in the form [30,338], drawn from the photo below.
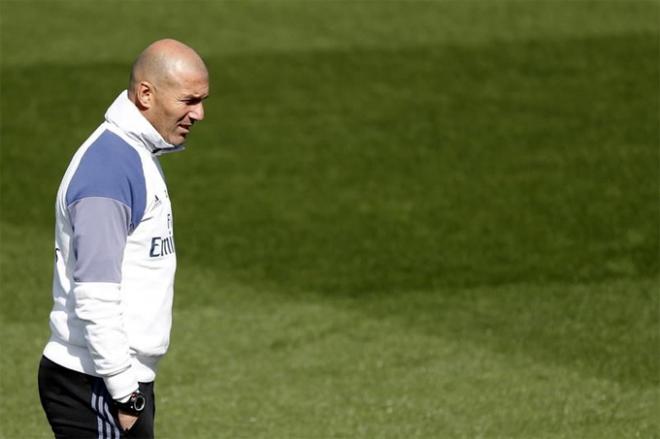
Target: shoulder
[109,168]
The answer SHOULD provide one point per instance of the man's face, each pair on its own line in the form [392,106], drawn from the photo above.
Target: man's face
[178,104]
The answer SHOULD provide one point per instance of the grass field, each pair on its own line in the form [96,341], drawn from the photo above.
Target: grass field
[400,219]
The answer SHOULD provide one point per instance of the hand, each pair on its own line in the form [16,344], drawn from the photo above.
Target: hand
[126,421]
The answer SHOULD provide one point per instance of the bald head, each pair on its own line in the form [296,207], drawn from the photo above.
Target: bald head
[169,81]
[162,62]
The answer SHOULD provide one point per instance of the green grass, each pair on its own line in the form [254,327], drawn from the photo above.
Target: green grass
[400,219]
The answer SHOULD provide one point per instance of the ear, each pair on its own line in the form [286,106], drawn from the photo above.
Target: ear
[145,94]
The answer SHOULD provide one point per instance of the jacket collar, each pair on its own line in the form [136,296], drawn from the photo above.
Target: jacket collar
[125,115]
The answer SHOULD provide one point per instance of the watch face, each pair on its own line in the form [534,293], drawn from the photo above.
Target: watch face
[139,402]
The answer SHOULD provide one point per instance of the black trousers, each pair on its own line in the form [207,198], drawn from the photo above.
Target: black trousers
[78,406]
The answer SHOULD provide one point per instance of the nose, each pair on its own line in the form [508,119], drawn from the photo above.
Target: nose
[197,112]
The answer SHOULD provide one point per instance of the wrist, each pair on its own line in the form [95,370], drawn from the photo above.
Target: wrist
[121,385]
[133,405]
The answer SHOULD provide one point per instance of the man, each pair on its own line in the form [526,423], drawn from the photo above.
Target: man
[115,255]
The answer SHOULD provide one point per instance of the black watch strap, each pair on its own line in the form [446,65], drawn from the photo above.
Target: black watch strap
[135,404]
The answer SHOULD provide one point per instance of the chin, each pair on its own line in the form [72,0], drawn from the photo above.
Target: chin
[177,141]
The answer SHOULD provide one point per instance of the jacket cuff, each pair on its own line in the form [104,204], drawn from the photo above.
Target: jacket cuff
[121,385]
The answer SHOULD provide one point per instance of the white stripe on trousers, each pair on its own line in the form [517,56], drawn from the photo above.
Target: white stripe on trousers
[112,422]
[106,426]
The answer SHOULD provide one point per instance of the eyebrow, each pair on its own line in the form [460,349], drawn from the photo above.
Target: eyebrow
[193,97]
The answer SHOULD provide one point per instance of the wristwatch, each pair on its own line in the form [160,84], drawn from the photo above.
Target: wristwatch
[135,404]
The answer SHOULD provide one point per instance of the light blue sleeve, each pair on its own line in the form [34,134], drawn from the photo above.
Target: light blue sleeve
[100,228]
[106,199]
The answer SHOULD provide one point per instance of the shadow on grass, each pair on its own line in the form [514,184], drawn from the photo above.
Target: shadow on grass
[362,175]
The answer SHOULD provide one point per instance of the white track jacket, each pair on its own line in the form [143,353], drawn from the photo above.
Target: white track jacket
[114,255]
